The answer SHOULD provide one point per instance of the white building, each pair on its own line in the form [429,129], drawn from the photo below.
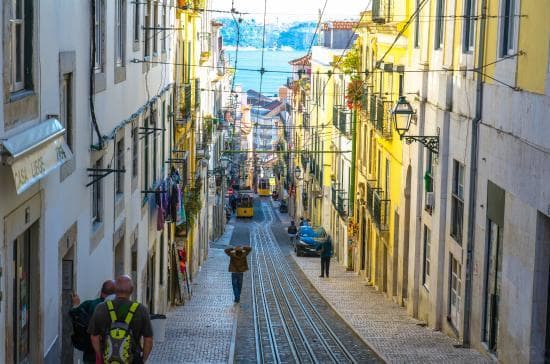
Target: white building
[70,218]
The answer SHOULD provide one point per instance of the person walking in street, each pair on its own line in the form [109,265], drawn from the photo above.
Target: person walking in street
[292,231]
[81,313]
[326,253]
[118,327]
[302,221]
[237,266]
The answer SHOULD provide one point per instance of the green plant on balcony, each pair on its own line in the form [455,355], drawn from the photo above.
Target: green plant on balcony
[350,64]
[208,127]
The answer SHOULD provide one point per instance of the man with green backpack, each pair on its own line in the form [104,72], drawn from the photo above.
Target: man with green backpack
[117,327]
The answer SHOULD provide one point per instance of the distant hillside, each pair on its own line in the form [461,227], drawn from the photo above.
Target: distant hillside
[295,35]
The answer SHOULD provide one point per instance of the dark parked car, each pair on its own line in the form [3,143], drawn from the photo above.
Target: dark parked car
[309,238]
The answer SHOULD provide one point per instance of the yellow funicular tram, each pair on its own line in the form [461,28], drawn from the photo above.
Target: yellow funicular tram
[245,204]
[264,187]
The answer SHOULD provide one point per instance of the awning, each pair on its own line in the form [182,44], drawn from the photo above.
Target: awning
[36,152]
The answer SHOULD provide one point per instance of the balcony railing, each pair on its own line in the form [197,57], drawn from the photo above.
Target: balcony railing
[336,115]
[379,116]
[381,11]
[197,93]
[305,120]
[381,210]
[334,196]
[371,187]
[183,113]
[342,207]
[344,121]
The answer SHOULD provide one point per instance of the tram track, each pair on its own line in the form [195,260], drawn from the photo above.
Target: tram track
[287,324]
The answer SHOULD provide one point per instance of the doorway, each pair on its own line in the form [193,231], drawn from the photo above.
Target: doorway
[363,240]
[150,295]
[67,289]
[23,297]
[407,223]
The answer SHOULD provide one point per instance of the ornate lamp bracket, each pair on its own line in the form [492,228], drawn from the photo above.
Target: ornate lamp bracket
[430,141]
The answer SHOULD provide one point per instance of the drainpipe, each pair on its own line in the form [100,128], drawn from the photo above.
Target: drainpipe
[473,180]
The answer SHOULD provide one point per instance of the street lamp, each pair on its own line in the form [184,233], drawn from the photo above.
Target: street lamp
[402,114]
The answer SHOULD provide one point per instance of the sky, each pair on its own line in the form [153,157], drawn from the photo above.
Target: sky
[284,11]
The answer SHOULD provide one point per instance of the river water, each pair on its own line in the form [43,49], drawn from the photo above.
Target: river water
[274,60]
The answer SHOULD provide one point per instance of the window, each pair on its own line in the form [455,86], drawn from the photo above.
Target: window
[134,152]
[468,23]
[455,289]
[417,28]
[99,30]
[147,30]
[67,108]
[457,208]
[439,23]
[427,258]
[145,156]
[119,176]
[164,26]
[21,45]
[120,32]
[97,198]
[387,181]
[507,25]
[155,137]
[136,21]
[155,26]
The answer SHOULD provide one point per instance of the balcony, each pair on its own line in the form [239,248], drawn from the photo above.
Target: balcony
[183,113]
[197,93]
[305,120]
[343,203]
[381,10]
[380,117]
[334,196]
[371,187]
[336,115]
[381,210]
[344,121]
[206,45]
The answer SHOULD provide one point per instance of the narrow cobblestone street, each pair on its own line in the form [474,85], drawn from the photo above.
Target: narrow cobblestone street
[210,328]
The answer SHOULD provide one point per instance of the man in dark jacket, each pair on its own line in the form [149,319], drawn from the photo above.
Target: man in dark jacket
[237,266]
[326,253]
[86,309]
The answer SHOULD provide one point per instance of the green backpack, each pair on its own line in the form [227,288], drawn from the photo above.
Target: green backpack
[119,341]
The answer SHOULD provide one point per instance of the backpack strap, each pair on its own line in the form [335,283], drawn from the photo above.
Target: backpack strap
[131,312]
[111,310]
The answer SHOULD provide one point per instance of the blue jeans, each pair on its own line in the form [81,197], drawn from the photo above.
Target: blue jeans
[237,282]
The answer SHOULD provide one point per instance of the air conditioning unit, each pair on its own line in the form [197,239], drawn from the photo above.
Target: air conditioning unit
[430,200]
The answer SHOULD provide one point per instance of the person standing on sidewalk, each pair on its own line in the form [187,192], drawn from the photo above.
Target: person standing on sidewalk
[118,327]
[81,313]
[292,231]
[326,253]
[237,266]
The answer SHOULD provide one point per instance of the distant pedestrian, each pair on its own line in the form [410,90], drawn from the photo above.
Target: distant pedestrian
[81,313]
[326,253]
[292,231]
[233,202]
[237,266]
[302,221]
[118,327]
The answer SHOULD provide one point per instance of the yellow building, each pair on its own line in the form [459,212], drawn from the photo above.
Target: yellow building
[190,17]
[379,151]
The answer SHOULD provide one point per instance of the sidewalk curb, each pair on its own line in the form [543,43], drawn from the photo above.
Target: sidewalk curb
[231,359]
[383,357]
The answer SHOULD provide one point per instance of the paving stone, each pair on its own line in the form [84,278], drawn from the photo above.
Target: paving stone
[201,331]
[383,325]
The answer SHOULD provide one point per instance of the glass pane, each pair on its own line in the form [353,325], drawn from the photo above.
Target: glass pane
[18,52]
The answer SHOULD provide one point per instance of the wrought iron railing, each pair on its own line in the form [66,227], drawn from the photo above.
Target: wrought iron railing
[305,120]
[342,204]
[371,187]
[336,115]
[381,209]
